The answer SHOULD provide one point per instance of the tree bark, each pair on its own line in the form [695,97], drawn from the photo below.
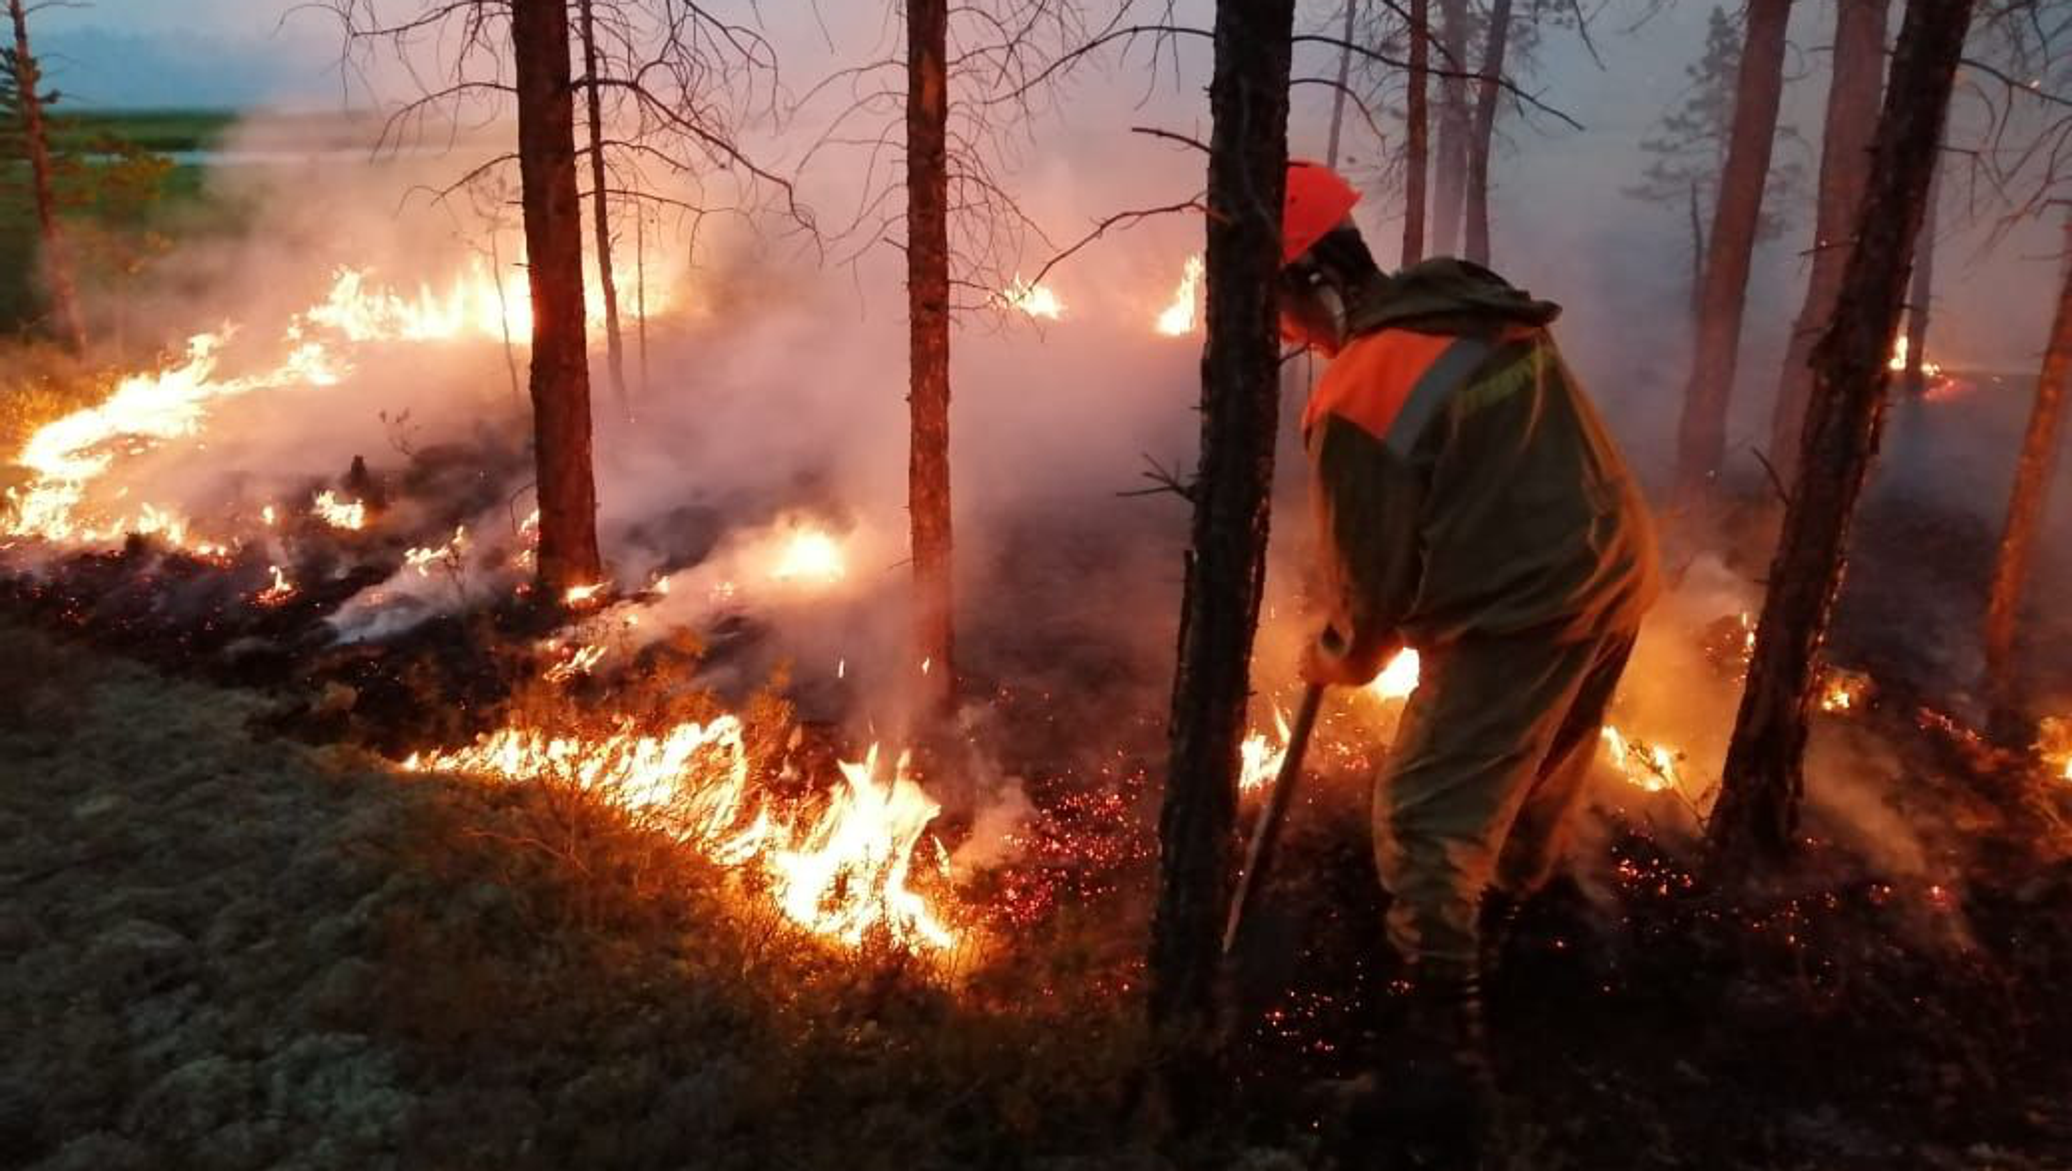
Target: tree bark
[1697,260]
[1920,300]
[1852,117]
[1416,131]
[1757,815]
[560,377]
[928,313]
[1487,91]
[1345,70]
[1226,560]
[2025,508]
[57,257]
[1701,436]
[600,206]
[1450,181]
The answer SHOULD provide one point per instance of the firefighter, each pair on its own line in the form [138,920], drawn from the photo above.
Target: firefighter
[1470,503]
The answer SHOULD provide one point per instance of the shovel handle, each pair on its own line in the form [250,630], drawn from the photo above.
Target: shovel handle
[1259,855]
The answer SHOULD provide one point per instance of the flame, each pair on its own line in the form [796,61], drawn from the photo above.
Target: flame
[1259,759]
[280,591]
[1898,361]
[2054,745]
[422,559]
[582,662]
[1399,678]
[1648,766]
[839,870]
[810,554]
[69,456]
[1178,318]
[339,513]
[583,594]
[1843,691]
[1034,300]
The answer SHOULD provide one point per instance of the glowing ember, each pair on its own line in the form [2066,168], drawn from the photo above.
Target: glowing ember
[1259,759]
[280,591]
[267,515]
[339,513]
[1650,767]
[839,870]
[1034,300]
[810,555]
[1178,318]
[1398,679]
[1843,691]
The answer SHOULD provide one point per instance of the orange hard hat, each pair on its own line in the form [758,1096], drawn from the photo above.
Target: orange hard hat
[1318,200]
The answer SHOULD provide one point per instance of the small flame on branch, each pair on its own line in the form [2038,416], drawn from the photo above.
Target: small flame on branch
[1034,300]
[584,594]
[1648,766]
[1178,318]
[582,662]
[339,513]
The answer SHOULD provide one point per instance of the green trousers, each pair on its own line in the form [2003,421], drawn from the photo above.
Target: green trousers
[1488,765]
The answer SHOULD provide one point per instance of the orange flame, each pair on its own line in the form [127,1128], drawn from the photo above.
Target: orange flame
[839,871]
[1177,319]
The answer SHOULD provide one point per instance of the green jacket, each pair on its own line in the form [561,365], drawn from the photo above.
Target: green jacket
[1463,483]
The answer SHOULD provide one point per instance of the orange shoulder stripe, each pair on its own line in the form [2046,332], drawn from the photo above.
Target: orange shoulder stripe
[1371,379]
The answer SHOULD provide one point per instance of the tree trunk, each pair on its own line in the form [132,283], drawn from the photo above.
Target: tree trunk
[1702,435]
[1758,810]
[1920,300]
[1697,260]
[57,258]
[1226,560]
[2025,509]
[1487,92]
[560,379]
[600,206]
[1852,117]
[928,311]
[1345,70]
[1416,131]
[1452,163]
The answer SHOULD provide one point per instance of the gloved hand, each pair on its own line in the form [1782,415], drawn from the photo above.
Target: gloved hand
[1327,661]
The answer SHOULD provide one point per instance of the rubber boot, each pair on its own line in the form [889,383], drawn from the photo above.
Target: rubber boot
[1436,1096]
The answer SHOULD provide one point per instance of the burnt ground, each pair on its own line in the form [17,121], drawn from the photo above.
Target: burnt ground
[237,938]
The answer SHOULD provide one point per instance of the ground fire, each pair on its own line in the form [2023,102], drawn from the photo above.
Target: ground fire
[1027,592]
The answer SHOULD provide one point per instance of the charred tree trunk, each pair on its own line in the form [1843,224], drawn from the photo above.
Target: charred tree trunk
[600,205]
[1758,810]
[1450,182]
[1852,117]
[2025,509]
[1416,131]
[1226,560]
[1484,140]
[1919,301]
[928,313]
[57,258]
[1702,434]
[560,379]
[1345,71]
